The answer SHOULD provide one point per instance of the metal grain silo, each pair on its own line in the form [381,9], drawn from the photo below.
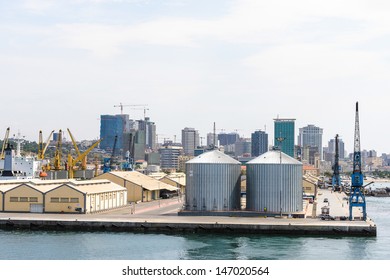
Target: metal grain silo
[213,182]
[274,183]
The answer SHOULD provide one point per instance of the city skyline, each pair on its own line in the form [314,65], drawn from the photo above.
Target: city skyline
[239,64]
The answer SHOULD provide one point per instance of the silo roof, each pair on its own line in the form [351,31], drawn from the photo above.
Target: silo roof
[214,156]
[273,157]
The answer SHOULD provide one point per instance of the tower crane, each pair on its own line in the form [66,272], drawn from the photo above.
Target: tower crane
[356,197]
[336,181]
[5,142]
[130,105]
[41,148]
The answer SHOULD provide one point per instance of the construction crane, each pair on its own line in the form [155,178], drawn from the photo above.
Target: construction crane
[5,142]
[58,152]
[109,162]
[41,148]
[130,105]
[356,197]
[72,162]
[336,181]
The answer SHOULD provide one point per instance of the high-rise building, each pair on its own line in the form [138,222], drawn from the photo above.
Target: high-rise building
[110,127]
[332,148]
[310,136]
[137,135]
[190,140]
[227,138]
[242,147]
[169,157]
[150,132]
[284,132]
[210,140]
[259,143]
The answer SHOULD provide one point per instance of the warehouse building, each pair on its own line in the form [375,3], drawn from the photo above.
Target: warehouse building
[140,187]
[177,179]
[61,196]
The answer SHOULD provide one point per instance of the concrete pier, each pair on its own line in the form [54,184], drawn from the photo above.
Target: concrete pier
[162,216]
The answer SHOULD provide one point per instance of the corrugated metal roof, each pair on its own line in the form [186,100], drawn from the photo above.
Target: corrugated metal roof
[143,180]
[273,157]
[178,177]
[214,157]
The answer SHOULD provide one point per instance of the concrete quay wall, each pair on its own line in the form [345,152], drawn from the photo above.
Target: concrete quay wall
[288,227]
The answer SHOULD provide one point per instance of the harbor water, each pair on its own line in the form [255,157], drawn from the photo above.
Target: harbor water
[60,245]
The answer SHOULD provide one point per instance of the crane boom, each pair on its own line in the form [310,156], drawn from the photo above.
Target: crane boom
[58,153]
[5,142]
[74,142]
[72,162]
[128,105]
[42,149]
[336,181]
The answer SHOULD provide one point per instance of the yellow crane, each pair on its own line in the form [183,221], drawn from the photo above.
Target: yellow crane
[72,162]
[42,149]
[58,153]
[84,162]
[5,142]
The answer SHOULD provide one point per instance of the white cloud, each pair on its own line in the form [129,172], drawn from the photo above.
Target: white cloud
[306,62]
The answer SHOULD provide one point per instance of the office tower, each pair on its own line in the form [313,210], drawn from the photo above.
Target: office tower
[332,150]
[150,132]
[284,131]
[190,140]
[111,126]
[310,136]
[242,147]
[227,138]
[259,143]
[210,140]
[169,157]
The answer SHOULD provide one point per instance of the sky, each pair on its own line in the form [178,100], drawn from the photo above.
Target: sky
[240,64]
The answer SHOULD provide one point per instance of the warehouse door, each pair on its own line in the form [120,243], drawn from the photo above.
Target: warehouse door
[36,208]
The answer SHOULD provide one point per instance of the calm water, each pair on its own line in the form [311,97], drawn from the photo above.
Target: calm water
[27,245]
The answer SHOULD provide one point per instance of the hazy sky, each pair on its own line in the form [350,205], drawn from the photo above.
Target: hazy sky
[240,64]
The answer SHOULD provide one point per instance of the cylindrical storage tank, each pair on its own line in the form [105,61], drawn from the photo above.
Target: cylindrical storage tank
[274,183]
[213,183]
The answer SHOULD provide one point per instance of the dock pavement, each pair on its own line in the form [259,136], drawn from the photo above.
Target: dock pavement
[161,216]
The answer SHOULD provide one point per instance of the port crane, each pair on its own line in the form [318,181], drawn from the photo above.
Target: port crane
[356,197]
[108,163]
[72,162]
[84,159]
[5,142]
[42,149]
[336,181]
[58,152]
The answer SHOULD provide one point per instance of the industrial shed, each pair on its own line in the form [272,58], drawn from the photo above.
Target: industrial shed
[85,196]
[61,196]
[177,180]
[22,197]
[140,187]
